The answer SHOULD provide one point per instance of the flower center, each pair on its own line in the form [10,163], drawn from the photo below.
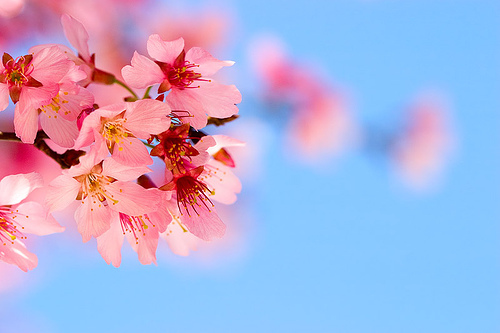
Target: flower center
[17,71]
[182,76]
[113,132]
[192,193]
[9,229]
[52,109]
[177,150]
[95,186]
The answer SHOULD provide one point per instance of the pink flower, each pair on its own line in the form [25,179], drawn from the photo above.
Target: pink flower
[119,127]
[196,210]
[17,219]
[320,122]
[424,145]
[102,186]
[58,116]
[176,150]
[142,233]
[195,179]
[186,74]
[23,78]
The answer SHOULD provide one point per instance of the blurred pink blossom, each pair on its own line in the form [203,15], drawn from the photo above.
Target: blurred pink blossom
[17,218]
[424,145]
[320,123]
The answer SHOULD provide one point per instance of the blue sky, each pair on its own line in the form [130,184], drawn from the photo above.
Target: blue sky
[340,247]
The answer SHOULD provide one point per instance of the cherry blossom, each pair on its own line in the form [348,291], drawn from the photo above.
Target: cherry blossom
[187,76]
[118,128]
[103,186]
[58,116]
[142,233]
[424,144]
[18,218]
[30,79]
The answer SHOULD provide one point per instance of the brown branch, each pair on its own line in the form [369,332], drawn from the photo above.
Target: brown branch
[221,121]
[65,160]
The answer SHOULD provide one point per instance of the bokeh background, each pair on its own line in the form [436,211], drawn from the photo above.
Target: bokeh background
[341,241]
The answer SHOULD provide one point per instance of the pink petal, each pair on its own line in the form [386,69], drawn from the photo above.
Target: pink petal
[161,218]
[143,73]
[88,131]
[74,99]
[35,220]
[26,124]
[218,99]
[122,172]
[131,199]
[92,218]
[63,132]
[15,188]
[17,254]
[61,192]
[222,180]
[146,117]
[183,100]
[87,162]
[76,73]
[77,35]
[223,141]
[4,96]
[202,146]
[109,244]
[208,65]
[36,97]
[164,51]
[212,99]
[132,152]
[204,224]
[180,241]
[145,245]
[50,65]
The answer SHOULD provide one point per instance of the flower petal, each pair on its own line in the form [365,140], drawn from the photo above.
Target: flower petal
[143,73]
[15,188]
[92,218]
[122,172]
[4,96]
[63,132]
[34,219]
[18,254]
[146,117]
[50,65]
[204,223]
[208,65]
[109,244]
[61,192]
[164,51]
[26,124]
[132,199]
[77,35]
[131,152]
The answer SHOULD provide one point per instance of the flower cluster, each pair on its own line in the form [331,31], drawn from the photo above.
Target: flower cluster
[106,151]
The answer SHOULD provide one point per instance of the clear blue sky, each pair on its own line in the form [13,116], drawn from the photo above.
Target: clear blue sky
[358,254]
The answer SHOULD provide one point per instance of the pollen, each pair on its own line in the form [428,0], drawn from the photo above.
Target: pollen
[9,230]
[114,132]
